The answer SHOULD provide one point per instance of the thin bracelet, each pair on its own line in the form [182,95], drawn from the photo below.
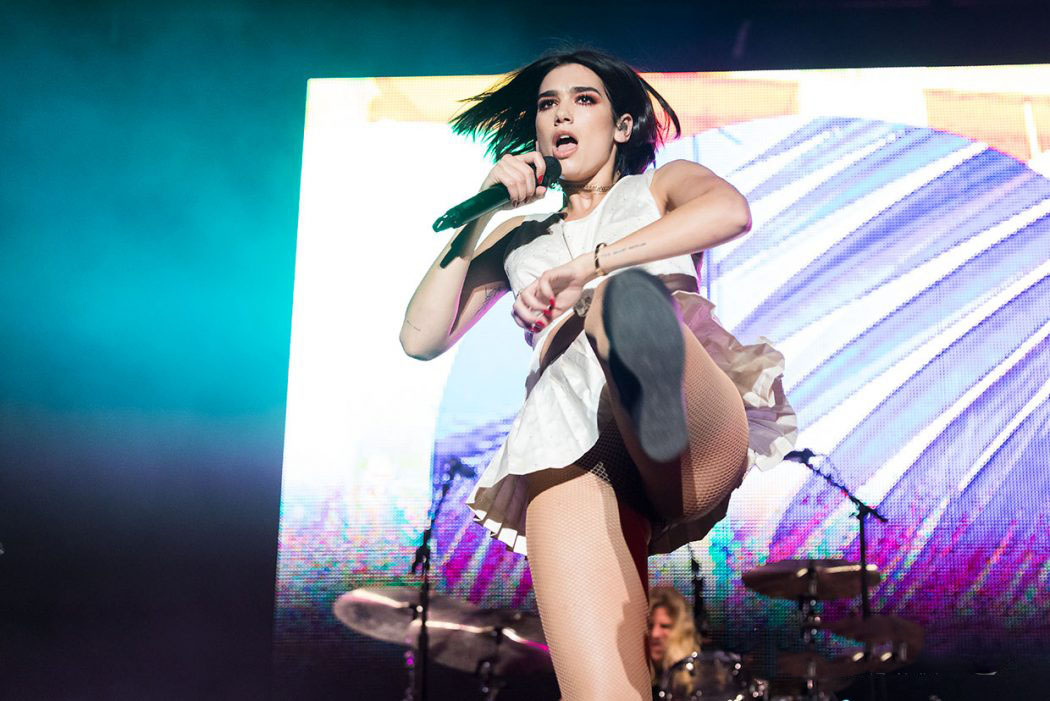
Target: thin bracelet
[598,268]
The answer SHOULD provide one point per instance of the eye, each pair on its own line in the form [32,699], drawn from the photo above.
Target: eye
[589,98]
[544,104]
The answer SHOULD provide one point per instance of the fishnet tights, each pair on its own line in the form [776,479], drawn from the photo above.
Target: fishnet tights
[715,460]
[587,556]
[588,524]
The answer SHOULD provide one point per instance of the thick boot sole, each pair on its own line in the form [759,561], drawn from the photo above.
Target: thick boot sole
[647,359]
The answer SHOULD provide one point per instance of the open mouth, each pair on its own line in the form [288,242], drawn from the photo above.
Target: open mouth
[564,146]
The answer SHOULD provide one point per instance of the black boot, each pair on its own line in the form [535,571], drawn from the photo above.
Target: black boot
[647,358]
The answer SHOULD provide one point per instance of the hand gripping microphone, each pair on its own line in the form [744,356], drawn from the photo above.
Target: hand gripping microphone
[490,199]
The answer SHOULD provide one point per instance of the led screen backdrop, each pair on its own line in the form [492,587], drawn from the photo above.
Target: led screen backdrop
[900,258]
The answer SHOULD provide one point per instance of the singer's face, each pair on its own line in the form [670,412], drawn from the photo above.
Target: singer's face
[574,122]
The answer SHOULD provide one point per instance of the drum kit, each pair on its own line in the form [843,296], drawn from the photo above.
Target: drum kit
[504,646]
[887,642]
[501,646]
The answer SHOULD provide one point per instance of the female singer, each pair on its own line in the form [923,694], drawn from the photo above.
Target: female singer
[641,413]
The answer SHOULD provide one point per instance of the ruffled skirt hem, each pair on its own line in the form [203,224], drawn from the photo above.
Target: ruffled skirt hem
[558,423]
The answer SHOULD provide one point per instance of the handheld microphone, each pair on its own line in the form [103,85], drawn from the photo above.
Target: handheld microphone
[490,199]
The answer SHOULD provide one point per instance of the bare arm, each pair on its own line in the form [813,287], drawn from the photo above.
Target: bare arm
[701,211]
[466,279]
[461,285]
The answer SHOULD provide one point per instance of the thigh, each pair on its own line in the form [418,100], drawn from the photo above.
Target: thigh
[716,457]
[585,552]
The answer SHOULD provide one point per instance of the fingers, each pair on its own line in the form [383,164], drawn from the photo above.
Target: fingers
[529,312]
[517,175]
[545,292]
[536,159]
[527,318]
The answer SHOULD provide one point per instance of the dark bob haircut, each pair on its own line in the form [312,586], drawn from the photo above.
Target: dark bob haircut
[504,116]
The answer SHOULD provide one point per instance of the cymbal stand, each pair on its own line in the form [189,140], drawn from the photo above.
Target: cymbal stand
[491,683]
[417,673]
[807,606]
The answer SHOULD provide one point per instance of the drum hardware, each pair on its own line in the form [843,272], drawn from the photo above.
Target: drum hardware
[392,614]
[418,682]
[889,641]
[491,683]
[863,512]
[717,676]
[499,642]
[812,579]
[494,644]
[387,613]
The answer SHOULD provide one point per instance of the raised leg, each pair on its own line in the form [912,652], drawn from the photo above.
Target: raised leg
[698,480]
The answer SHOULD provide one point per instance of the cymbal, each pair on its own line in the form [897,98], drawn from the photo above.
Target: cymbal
[826,578]
[460,635]
[905,635]
[785,688]
[462,645]
[385,613]
[813,665]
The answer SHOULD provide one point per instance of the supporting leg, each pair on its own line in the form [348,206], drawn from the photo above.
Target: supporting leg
[587,555]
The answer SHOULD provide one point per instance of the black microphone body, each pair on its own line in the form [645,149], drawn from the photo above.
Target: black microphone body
[490,199]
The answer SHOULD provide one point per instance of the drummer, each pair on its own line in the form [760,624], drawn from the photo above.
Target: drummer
[672,637]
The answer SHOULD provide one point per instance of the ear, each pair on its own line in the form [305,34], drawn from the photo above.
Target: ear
[624,129]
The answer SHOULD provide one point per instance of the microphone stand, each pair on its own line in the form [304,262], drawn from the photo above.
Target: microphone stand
[700,618]
[422,563]
[863,511]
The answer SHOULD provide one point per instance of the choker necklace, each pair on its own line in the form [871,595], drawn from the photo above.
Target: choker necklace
[585,188]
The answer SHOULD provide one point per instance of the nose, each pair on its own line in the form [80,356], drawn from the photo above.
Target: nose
[562,113]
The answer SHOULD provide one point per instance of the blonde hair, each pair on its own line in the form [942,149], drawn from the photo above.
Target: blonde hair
[682,640]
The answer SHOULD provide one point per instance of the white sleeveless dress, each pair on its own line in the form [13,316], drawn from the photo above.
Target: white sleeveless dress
[557,423]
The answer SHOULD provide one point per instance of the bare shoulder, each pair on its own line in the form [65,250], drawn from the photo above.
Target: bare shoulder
[680,180]
[500,235]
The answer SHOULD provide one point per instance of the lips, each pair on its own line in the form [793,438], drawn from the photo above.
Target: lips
[565,144]
[564,151]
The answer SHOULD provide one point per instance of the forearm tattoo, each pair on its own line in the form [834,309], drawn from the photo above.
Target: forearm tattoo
[617,251]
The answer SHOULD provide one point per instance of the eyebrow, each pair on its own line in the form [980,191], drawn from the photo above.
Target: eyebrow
[576,90]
